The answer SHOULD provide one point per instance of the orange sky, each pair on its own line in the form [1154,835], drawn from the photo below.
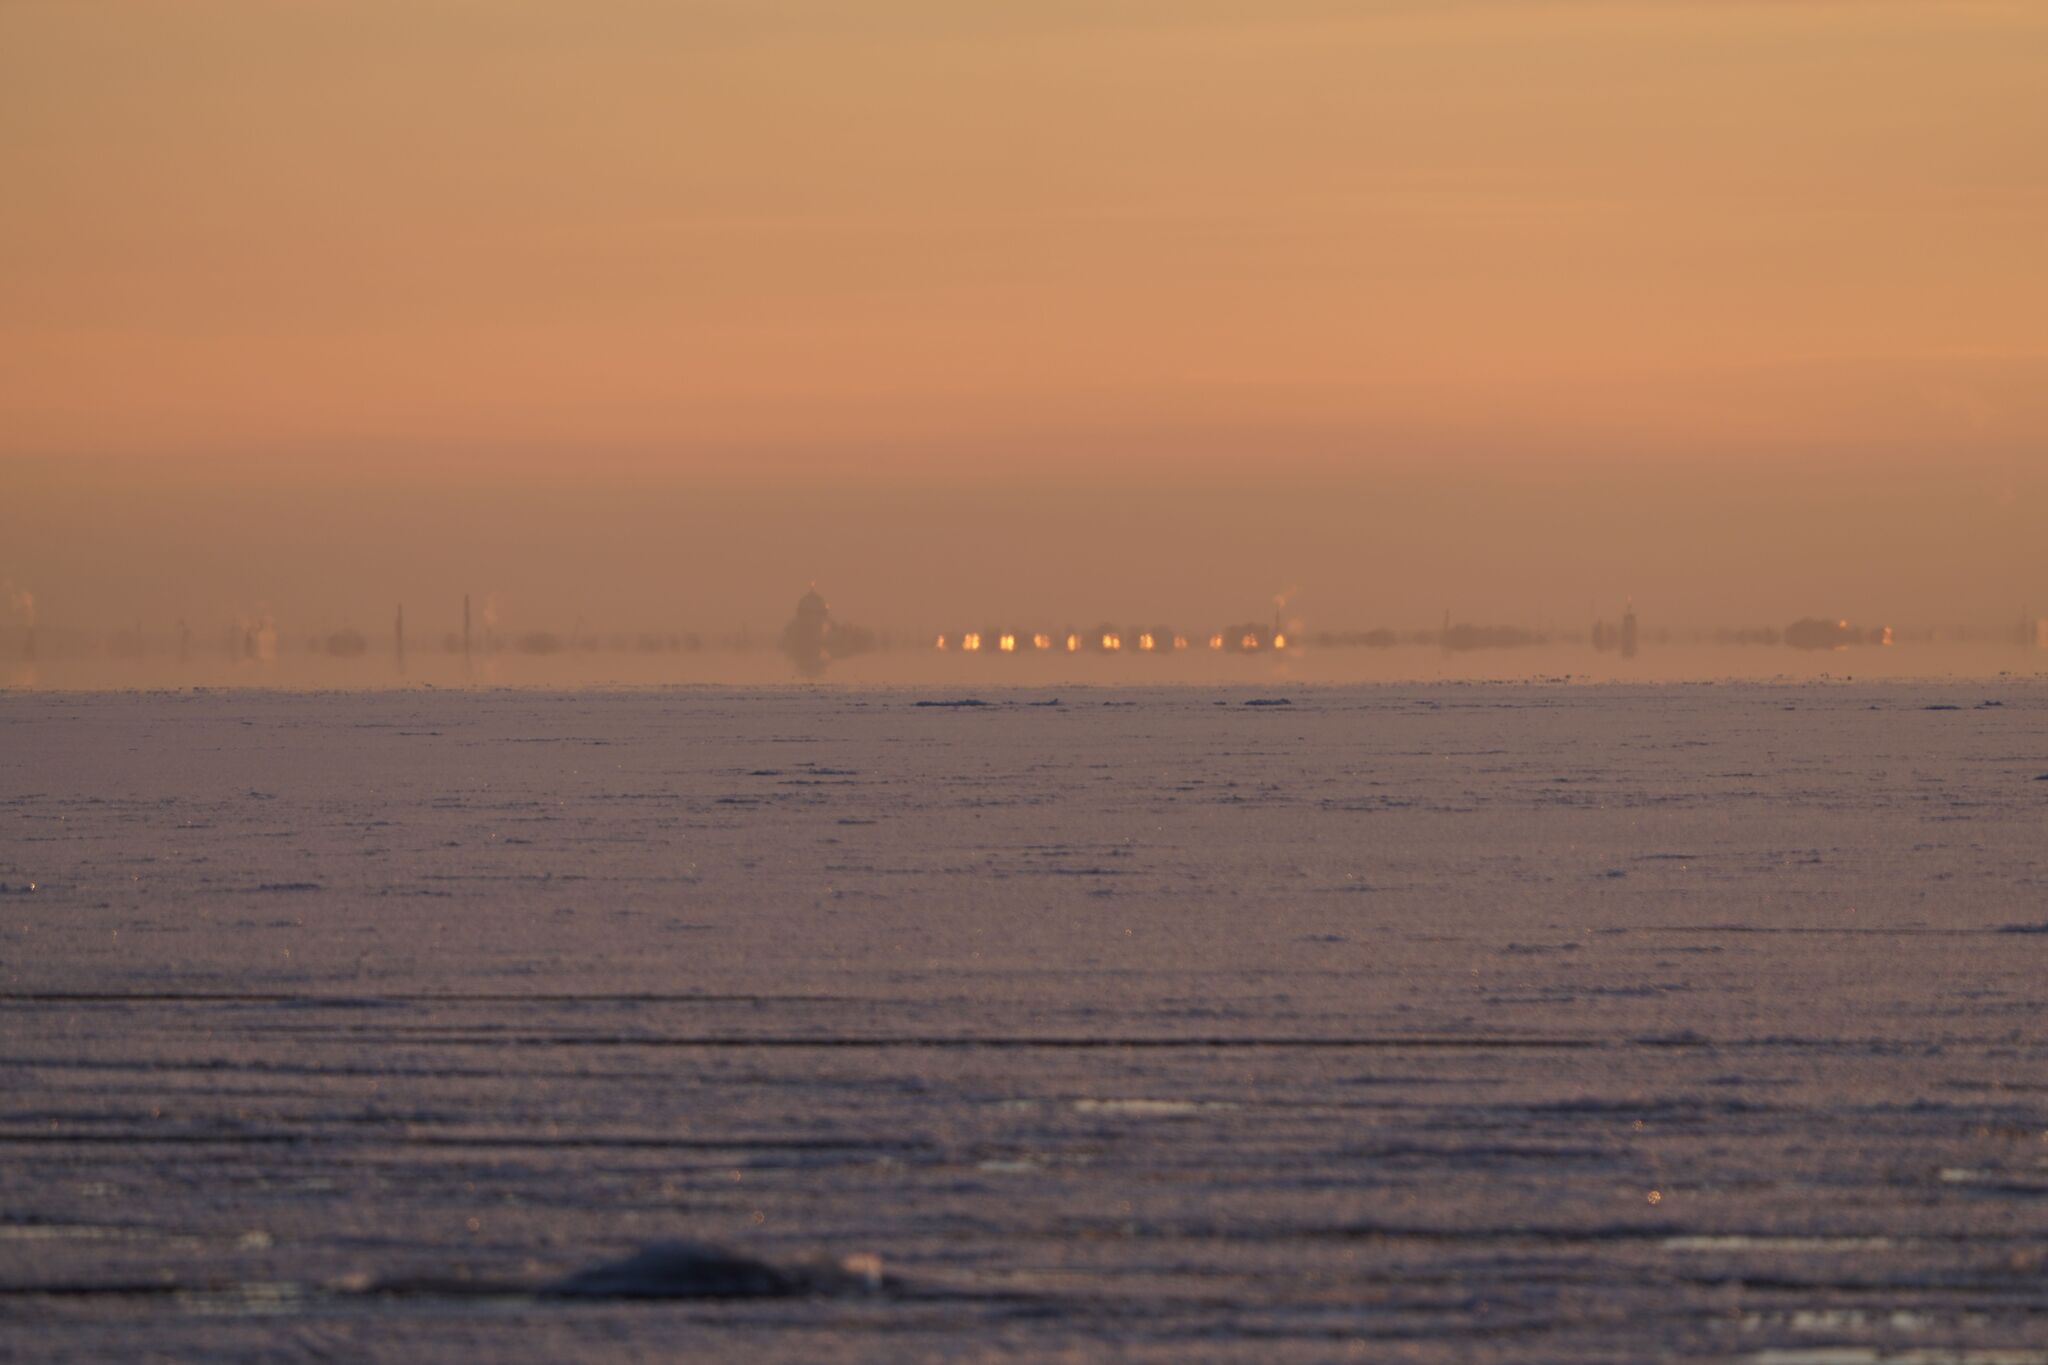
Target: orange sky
[659,242]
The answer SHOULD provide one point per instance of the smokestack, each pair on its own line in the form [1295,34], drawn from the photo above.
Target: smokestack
[398,636]
[465,630]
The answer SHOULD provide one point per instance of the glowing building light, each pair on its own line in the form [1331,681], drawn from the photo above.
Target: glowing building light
[1279,641]
[1073,644]
[942,642]
[1215,642]
[1041,641]
[1180,642]
[1146,642]
[1007,644]
[970,642]
[1112,643]
[1250,641]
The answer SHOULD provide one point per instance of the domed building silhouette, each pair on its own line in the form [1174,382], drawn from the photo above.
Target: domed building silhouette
[812,639]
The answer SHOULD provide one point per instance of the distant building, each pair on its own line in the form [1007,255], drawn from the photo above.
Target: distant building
[344,644]
[1624,637]
[813,639]
[1463,637]
[804,638]
[1812,632]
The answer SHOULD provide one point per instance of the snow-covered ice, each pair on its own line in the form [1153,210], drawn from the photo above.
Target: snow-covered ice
[1437,1023]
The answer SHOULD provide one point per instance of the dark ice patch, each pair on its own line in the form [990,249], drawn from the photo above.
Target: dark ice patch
[679,1270]
[697,1270]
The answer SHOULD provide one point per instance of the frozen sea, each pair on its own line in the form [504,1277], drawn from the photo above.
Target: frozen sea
[1430,1023]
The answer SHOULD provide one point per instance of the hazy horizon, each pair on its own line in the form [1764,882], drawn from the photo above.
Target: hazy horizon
[1395,548]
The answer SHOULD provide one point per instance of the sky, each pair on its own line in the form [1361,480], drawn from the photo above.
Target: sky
[660,310]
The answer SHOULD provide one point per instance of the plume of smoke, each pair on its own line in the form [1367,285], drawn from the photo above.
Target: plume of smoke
[1283,624]
[21,603]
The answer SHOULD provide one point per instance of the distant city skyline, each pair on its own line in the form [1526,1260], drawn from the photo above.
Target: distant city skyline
[653,313]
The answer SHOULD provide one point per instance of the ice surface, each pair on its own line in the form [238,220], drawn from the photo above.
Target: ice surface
[1433,1023]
